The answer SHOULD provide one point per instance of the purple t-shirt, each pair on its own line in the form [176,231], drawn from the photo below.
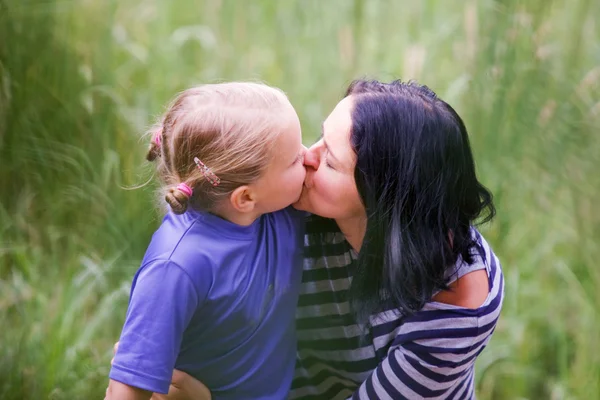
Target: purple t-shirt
[216,300]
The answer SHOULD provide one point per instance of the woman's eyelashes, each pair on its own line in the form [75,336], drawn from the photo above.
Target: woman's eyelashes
[327,161]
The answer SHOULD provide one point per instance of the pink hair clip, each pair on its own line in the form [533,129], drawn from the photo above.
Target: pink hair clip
[208,174]
[156,138]
[184,187]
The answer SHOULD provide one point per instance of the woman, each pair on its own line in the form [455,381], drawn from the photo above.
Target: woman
[400,292]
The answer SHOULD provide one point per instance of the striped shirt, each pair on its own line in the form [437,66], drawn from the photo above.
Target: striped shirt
[430,354]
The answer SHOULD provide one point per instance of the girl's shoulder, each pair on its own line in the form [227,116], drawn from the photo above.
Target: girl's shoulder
[317,225]
[287,221]
[188,241]
[289,213]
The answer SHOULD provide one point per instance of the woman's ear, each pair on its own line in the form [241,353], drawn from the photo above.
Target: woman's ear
[243,199]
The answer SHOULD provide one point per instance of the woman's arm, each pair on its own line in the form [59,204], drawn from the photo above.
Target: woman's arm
[120,391]
[183,387]
[427,363]
[435,348]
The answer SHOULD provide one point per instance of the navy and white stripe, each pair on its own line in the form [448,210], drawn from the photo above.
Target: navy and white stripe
[430,354]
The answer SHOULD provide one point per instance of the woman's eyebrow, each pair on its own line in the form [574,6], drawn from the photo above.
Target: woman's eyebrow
[325,143]
[320,136]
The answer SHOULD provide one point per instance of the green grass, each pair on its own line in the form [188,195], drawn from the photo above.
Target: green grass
[81,80]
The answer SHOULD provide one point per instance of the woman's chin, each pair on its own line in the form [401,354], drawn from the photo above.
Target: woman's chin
[299,205]
[302,203]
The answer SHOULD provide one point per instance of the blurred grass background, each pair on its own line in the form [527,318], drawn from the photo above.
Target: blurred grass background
[81,80]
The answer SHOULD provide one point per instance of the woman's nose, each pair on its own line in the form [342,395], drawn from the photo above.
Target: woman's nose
[311,158]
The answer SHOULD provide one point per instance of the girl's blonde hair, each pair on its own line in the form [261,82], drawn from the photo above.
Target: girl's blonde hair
[230,127]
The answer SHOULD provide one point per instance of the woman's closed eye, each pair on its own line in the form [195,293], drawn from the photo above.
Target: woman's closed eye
[327,163]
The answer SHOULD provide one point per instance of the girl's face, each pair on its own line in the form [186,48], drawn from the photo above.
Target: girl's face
[329,188]
[282,183]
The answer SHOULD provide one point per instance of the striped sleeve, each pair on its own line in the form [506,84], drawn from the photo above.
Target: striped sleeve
[431,357]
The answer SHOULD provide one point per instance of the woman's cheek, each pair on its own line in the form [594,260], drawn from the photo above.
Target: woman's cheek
[326,188]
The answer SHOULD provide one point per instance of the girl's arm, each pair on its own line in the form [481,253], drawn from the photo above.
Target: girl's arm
[162,303]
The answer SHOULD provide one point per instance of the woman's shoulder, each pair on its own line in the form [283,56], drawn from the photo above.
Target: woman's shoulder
[482,251]
[485,314]
[442,319]
[482,261]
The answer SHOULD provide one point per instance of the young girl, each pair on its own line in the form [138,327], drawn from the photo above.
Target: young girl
[216,293]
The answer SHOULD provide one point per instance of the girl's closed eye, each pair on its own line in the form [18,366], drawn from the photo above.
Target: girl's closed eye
[299,158]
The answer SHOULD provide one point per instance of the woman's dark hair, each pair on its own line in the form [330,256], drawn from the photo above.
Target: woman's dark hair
[416,178]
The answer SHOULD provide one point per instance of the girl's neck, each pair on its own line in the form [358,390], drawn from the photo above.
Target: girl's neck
[236,217]
[354,229]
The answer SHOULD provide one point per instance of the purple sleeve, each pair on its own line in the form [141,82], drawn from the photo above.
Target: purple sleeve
[163,301]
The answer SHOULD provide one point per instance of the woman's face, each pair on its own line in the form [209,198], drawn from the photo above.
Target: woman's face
[329,187]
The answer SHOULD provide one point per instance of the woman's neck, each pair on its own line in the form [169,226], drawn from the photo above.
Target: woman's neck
[354,230]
